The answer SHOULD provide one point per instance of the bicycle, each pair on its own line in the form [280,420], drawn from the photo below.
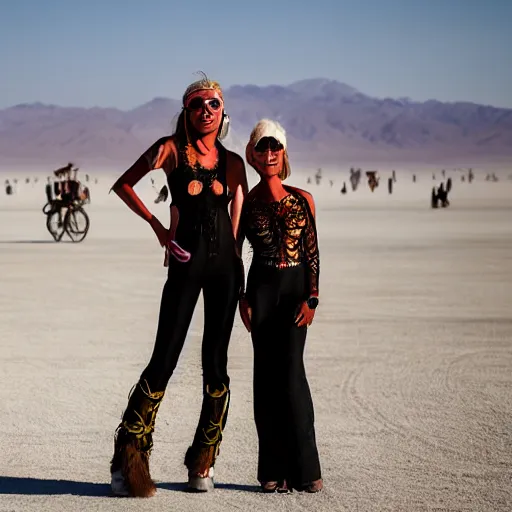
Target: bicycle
[75,222]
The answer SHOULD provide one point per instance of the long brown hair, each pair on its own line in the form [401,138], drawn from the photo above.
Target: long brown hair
[179,132]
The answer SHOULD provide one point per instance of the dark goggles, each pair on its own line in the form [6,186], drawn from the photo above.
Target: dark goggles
[268,143]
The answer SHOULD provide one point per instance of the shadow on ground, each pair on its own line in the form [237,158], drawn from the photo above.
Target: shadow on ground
[34,242]
[42,487]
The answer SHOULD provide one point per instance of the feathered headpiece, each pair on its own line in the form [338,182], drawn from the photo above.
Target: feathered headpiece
[205,84]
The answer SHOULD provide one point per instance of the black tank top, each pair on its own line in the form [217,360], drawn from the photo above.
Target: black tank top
[201,196]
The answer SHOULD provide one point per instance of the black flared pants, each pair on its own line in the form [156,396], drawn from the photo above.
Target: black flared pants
[283,407]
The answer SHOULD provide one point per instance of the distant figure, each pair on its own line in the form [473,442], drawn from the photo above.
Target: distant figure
[344,188]
[434,200]
[443,172]
[27,180]
[85,195]
[331,183]
[8,188]
[61,188]
[433,176]
[36,180]
[414,178]
[61,171]
[355,178]
[373,179]
[49,191]
[390,185]
[318,176]
[87,178]
[440,192]
[309,180]
[471,176]
[463,178]
[74,186]
[442,195]
[393,176]
[57,188]
[162,195]
[448,185]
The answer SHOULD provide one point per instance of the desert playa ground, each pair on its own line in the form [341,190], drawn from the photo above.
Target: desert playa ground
[409,358]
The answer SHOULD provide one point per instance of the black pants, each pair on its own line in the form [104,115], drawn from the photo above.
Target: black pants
[283,407]
[219,278]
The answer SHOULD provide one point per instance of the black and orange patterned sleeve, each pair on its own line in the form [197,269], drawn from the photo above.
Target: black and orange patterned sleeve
[311,252]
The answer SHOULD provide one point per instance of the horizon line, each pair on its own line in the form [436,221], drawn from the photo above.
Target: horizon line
[312,79]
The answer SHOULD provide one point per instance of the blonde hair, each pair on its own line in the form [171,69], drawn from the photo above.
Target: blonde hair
[205,84]
[182,130]
[279,134]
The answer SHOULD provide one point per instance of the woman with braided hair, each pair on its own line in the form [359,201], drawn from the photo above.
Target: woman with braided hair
[201,255]
[282,295]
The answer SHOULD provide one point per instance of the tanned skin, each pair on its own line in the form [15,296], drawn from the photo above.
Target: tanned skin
[205,125]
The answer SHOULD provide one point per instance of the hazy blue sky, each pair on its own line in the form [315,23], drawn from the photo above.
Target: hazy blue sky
[124,53]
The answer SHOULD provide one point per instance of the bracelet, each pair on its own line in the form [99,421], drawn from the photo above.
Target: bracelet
[312,302]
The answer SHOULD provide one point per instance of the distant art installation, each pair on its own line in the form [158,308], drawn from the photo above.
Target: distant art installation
[439,196]
[373,179]
[355,178]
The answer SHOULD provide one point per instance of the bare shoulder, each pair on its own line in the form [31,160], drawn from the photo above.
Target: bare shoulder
[235,173]
[167,154]
[155,157]
[306,195]
[164,142]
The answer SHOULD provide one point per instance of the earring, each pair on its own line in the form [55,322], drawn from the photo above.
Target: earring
[224,128]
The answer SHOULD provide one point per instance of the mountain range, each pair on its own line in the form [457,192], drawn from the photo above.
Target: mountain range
[327,122]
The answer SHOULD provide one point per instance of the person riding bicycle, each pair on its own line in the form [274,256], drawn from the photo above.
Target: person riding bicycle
[73,186]
[63,190]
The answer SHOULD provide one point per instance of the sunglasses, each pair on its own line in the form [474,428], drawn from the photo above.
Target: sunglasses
[268,143]
[198,103]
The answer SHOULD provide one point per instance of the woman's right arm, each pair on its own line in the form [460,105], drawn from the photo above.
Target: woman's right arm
[243,305]
[155,157]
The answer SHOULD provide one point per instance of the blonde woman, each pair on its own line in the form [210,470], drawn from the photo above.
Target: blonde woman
[279,305]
